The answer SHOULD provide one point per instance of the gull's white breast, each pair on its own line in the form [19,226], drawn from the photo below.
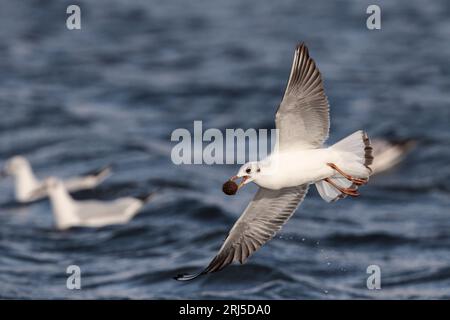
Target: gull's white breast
[294,168]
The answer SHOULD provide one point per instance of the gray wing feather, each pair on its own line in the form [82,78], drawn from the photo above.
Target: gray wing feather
[303,115]
[97,209]
[262,218]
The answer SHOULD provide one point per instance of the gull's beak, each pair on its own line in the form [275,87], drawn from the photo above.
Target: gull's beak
[244,179]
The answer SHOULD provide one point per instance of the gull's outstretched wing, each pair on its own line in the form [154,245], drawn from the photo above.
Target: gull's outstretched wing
[303,116]
[262,218]
[99,172]
[89,180]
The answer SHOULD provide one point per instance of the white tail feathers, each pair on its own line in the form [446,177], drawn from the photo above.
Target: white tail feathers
[355,156]
[357,143]
[355,153]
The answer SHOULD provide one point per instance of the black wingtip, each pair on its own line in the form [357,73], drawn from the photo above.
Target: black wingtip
[146,197]
[103,171]
[301,45]
[187,277]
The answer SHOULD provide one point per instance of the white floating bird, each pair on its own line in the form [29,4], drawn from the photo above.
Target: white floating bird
[89,213]
[26,182]
[299,159]
[387,153]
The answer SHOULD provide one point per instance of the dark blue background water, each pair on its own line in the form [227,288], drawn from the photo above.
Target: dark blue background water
[71,101]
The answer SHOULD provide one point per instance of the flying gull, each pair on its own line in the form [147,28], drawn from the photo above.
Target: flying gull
[298,160]
[89,213]
[26,183]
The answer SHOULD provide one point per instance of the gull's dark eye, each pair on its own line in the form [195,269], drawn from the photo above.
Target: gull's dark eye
[248,170]
[258,170]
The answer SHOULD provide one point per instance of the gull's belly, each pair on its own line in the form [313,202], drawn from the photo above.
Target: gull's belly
[294,169]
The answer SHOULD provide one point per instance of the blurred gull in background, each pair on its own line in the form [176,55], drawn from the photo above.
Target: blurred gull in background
[28,187]
[90,213]
[388,154]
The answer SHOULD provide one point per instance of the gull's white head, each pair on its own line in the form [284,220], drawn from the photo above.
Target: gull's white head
[248,172]
[15,165]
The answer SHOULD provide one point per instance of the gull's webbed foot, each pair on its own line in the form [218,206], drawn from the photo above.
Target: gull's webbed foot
[357,181]
[347,191]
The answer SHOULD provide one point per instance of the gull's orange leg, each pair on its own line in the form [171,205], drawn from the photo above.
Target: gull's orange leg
[357,181]
[347,191]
